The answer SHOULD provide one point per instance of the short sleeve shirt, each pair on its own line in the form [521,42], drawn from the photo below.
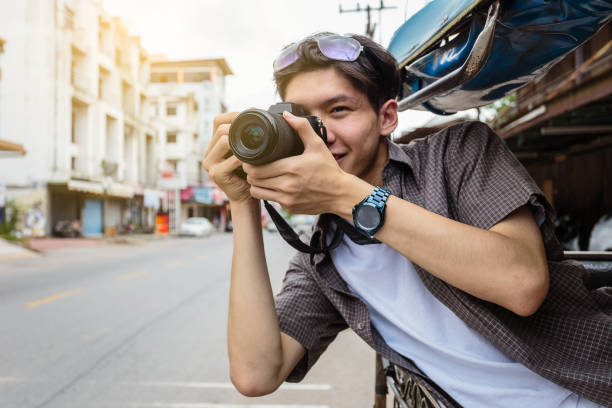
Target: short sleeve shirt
[468,174]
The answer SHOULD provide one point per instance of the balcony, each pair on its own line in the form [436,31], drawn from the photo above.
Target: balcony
[80,82]
[79,45]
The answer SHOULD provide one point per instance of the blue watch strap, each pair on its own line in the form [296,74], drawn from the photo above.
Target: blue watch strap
[376,199]
[379,196]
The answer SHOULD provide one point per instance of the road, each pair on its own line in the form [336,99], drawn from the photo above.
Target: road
[144,325]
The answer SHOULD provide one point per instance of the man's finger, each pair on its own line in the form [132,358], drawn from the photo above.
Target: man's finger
[266,194]
[272,169]
[218,152]
[222,118]
[303,128]
[229,164]
[272,183]
[221,130]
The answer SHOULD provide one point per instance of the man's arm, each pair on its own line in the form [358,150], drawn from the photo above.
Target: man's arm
[505,265]
[261,357]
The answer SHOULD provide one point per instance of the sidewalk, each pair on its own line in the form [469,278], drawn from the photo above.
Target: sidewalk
[53,243]
[12,251]
[36,246]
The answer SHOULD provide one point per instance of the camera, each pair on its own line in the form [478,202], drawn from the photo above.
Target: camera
[257,136]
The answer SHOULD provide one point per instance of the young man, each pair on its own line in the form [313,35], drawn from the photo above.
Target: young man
[466,288]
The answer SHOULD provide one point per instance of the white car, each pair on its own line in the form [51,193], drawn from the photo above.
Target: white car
[271,226]
[196,227]
[302,224]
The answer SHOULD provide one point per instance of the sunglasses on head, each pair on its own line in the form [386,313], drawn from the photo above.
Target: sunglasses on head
[336,47]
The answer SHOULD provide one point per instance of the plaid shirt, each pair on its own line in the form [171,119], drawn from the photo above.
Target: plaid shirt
[468,174]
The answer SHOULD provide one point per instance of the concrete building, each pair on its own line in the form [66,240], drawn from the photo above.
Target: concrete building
[185,96]
[7,148]
[74,94]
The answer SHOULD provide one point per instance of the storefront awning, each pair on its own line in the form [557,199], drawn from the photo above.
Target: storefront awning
[85,186]
[120,190]
[11,148]
[210,194]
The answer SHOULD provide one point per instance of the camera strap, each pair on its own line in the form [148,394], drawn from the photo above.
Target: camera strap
[342,227]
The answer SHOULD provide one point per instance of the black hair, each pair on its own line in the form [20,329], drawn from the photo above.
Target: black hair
[374,72]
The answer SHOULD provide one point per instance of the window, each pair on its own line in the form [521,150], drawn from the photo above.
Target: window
[171,110]
[171,137]
[173,165]
[73,163]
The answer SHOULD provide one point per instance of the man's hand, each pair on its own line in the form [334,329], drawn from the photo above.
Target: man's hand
[220,166]
[306,184]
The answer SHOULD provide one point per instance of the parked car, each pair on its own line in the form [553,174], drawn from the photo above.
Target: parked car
[302,224]
[271,226]
[196,227]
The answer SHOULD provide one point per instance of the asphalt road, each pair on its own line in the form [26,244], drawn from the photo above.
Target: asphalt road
[145,326]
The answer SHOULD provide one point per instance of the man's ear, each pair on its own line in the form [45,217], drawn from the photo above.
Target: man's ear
[387,117]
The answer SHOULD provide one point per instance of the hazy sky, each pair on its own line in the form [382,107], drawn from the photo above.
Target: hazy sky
[249,35]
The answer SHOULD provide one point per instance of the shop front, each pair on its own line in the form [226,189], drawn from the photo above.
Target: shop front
[75,208]
[204,201]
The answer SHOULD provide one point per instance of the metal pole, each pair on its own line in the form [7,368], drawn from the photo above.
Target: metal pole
[380,389]
[177,210]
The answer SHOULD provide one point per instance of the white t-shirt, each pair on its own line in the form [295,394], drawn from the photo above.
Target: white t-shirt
[417,325]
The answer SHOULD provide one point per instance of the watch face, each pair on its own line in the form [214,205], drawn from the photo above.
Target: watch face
[368,217]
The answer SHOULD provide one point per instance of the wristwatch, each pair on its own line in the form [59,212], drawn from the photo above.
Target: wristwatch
[369,214]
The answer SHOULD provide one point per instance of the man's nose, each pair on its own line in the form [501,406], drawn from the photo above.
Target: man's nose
[331,136]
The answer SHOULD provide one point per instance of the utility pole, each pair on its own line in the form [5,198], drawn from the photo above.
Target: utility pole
[370,28]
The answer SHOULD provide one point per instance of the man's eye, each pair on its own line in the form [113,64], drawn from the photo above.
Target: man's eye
[339,109]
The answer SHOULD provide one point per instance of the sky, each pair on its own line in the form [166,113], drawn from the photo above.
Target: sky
[250,34]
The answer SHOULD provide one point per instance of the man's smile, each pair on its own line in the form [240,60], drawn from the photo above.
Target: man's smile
[338,156]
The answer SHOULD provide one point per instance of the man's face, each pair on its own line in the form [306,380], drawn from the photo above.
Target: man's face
[353,128]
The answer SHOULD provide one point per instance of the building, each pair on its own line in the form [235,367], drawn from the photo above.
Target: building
[7,148]
[185,96]
[75,95]
[560,127]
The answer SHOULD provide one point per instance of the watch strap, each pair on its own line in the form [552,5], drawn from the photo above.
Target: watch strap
[378,199]
[379,196]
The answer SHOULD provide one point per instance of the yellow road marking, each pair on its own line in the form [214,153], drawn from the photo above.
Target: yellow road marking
[52,298]
[132,275]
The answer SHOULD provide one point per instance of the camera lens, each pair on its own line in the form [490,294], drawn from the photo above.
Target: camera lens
[252,136]
[258,137]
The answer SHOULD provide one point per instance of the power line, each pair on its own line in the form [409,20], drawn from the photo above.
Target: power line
[370,28]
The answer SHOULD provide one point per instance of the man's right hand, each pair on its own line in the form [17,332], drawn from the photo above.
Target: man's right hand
[220,165]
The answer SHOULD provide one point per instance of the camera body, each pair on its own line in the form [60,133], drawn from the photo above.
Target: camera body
[257,136]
